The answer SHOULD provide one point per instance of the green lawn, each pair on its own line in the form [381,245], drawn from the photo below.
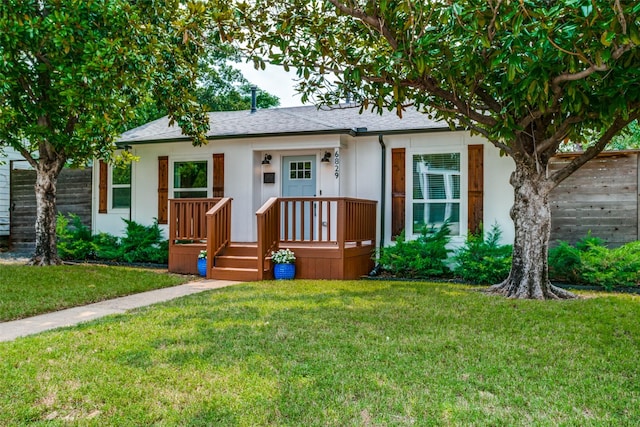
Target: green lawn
[27,291]
[335,353]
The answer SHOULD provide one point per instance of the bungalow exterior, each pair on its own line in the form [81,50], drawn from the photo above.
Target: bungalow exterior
[331,184]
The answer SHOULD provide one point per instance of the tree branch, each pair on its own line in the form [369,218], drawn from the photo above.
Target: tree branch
[559,135]
[618,124]
[374,22]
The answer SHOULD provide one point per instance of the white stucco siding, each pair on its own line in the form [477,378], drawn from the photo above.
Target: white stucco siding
[364,180]
[359,175]
[243,180]
[498,193]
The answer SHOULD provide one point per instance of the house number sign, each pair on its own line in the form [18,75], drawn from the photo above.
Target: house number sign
[336,164]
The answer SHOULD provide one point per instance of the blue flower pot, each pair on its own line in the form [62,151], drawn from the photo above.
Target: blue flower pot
[202,267]
[284,271]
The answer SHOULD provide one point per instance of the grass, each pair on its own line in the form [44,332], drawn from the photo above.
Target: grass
[323,353]
[28,291]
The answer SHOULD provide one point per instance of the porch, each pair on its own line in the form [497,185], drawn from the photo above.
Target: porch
[332,237]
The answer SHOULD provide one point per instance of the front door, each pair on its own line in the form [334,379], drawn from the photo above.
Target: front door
[299,180]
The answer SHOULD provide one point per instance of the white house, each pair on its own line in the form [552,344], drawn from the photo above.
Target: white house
[418,172]
[9,155]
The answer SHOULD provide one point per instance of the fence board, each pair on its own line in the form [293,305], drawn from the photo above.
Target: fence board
[601,198]
[73,196]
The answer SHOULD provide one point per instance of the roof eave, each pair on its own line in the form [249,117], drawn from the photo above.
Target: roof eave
[352,132]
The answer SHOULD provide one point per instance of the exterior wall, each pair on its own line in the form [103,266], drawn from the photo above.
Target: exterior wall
[5,187]
[243,178]
[358,170]
[364,180]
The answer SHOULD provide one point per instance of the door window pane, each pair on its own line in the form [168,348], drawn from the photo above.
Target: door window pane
[300,170]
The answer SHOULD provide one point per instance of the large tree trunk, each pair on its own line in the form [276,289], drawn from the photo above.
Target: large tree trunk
[529,276]
[46,250]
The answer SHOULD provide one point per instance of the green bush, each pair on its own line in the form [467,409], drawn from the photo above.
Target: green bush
[144,243]
[483,260]
[565,263]
[592,263]
[74,238]
[420,258]
[609,268]
[140,244]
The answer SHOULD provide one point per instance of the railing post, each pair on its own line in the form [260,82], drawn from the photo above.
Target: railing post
[341,226]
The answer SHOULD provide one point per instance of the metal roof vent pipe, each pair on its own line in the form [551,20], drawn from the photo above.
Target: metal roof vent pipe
[254,99]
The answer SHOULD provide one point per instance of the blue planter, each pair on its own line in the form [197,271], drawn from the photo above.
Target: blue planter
[202,267]
[284,271]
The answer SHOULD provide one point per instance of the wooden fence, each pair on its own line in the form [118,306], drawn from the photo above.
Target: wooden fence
[73,196]
[602,197]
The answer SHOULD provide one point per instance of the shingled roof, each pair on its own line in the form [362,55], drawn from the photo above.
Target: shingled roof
[289,121]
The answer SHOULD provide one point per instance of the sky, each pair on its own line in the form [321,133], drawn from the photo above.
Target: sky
[274,80]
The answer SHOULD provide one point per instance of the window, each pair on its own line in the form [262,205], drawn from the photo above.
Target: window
[190,179]
[436,191]
[300,170]
[121,187]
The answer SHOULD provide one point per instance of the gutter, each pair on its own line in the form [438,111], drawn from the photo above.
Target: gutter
[383,190]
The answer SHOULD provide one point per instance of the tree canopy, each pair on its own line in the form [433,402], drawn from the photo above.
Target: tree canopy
[73,71]
[527,75]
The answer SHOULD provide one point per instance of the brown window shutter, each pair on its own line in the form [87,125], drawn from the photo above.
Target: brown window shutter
[218,175]
[163,190]
[103,181]
[476,188]
[398,191]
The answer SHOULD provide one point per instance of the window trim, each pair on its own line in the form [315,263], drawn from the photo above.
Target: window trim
[185,159]
[409,201]
[111,186]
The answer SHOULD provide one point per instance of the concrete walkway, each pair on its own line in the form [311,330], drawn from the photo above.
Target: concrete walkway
[72,316]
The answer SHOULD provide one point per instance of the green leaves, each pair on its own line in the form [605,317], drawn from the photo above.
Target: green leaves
[492,65]
[88,66]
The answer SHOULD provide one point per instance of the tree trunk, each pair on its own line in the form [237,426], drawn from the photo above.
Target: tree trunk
[46,251]
[529,276]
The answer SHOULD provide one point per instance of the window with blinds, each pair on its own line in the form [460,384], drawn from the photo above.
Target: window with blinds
[436,191]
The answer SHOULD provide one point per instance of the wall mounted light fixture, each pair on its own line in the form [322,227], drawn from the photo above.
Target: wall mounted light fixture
[326,158]
[267,159]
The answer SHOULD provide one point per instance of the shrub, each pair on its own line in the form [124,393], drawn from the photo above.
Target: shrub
[420,258]
[141,243]
[144,243]
[74,238]
[592,263]
[565,263]
[612,267]
[483,260]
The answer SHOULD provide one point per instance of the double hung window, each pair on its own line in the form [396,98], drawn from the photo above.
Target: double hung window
[436,191]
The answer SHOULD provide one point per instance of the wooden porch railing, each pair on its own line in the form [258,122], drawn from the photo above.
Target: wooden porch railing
[218,230]
[332,221]
[268,217]
[188,221]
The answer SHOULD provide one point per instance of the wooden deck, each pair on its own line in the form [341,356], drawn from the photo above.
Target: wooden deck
[333,238]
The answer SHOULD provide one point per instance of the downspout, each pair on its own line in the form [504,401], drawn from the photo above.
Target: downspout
[383,190]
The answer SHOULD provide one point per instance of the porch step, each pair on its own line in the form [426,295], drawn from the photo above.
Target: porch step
[240,274]
[241,250]
[235,261]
